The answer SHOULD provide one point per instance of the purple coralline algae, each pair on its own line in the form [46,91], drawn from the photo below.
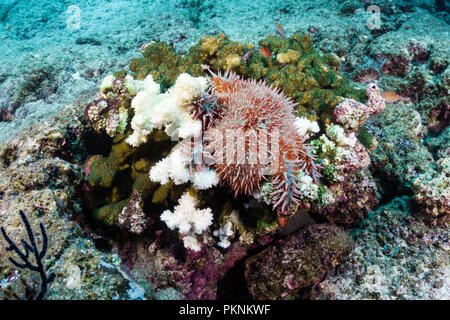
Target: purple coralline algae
[164,264]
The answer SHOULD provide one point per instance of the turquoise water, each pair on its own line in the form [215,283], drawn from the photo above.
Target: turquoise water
[79,40]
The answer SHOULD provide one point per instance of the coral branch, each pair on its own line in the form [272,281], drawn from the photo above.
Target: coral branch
[31,247]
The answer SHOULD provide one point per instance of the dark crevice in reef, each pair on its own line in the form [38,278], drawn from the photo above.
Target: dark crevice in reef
[233,285]
[389,188]
[92,143]
[5,115]
[96,143]
[102,245]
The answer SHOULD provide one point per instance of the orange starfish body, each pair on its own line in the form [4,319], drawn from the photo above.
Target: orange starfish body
[255,114]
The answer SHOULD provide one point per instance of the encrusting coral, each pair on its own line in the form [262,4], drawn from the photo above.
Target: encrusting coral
[300,260]
[351,114]
[292,65]
[432,191]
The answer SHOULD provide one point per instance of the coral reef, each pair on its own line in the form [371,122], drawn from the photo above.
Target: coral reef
[396,256]
[40,172]
[24,255]
[432,192]
[135,168]
[159,173]
[179,112]
[347,191]
[404,157]
[194,275]
[297,262]
[294,66]
[323,172]
[352,114]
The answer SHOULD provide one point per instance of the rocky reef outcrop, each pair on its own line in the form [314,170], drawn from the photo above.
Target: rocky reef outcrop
[299,261]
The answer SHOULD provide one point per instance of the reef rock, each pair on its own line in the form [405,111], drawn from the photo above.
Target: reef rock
[396,256]
[167,266]
[297,262]
[40,175]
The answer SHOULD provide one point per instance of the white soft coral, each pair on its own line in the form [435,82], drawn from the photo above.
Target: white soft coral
[338,135]
[153,109]
[188,220]
[223,233]
[205,179]
[305,127]
[175,167]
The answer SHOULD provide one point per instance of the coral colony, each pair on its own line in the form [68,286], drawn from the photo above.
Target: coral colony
[231,164]
[229,151]
[232,131]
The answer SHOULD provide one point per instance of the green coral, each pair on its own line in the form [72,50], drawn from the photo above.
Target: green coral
[367,139]
[120,74]
[330,173]
[103,170]
[162,193]
[161,61]
[294,66]
[114,178]
[310,78]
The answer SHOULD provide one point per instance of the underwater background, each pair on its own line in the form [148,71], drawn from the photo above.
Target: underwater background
[69,75]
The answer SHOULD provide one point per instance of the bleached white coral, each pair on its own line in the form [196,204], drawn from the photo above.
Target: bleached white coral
[134,86]
[338,135]
[340,152]
[188,220]
[223,233]
[123,118]
[373,280]
[229,225]
[205,179]
[309,189]
[157,110]
[192,243]
[305,126]
[174,167]
[187,87]
[107,83]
